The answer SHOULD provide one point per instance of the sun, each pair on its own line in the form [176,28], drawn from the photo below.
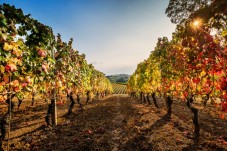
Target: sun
[196,23]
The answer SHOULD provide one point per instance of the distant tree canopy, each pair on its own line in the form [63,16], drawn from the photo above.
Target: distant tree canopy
[121,80]
[181,10]
[118,78]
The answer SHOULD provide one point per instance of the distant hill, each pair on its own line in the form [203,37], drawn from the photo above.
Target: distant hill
[118,78]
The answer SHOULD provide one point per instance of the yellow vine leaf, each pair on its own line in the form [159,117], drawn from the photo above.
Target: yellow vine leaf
[7,47]
[224,33]
[203,73]
[2,69]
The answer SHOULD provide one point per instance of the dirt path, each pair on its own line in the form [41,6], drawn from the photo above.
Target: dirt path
[117,123]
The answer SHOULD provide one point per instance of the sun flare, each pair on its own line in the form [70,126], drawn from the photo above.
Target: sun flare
[196,23]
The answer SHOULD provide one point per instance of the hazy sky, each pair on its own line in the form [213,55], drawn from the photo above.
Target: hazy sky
[115,35]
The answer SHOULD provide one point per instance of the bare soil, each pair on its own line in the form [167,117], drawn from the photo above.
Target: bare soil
[116,123]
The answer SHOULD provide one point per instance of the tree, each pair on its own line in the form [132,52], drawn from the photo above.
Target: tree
[180,11]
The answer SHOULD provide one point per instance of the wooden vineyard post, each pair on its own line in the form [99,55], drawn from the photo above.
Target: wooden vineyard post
[10,104]
[55,116]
